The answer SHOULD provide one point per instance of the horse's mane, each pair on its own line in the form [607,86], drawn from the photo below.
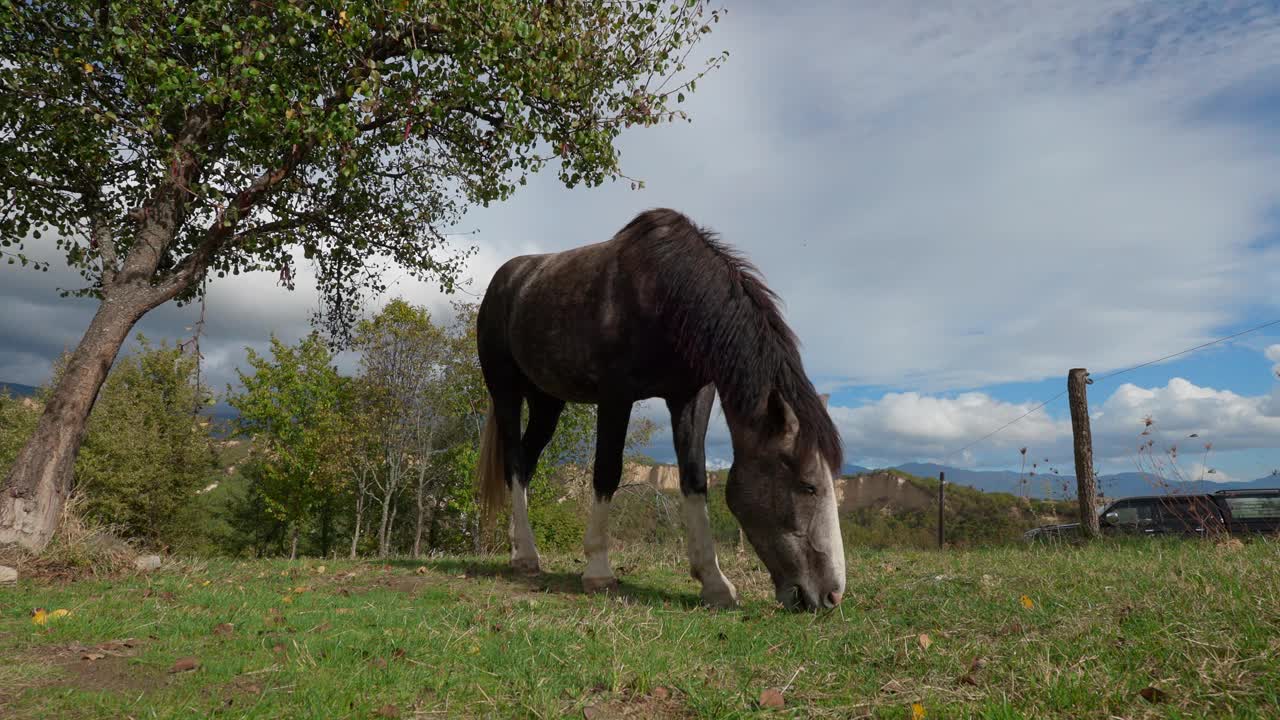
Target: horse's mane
[726,324]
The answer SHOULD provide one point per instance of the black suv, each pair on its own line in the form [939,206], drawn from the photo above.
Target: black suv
[1236,512]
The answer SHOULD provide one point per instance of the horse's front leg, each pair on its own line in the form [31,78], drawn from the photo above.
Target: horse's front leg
[689,429]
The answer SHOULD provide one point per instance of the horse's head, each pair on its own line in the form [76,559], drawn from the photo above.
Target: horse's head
[785,500]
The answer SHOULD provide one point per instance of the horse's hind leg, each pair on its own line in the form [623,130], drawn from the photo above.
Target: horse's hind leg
[689,429]
[544,413]
[507,400]
[611,438]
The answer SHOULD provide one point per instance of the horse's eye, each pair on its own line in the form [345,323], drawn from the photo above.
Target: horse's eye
[808,489]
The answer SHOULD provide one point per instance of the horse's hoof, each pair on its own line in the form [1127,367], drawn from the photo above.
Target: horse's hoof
[526,566]
[600,584]
[721,596]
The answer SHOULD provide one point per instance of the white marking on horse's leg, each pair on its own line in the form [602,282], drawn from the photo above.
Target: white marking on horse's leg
[598,575]
[524,552]
[717,591]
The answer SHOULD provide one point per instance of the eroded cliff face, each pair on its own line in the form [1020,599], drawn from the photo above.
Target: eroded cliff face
[660,477]
[881,490]
[878,489]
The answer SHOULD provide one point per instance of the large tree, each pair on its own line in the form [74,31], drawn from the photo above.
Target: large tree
[162,143]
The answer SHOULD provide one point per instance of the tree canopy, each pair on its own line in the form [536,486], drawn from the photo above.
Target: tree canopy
[158,141]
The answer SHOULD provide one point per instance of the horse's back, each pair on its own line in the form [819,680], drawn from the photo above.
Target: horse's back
[582,319]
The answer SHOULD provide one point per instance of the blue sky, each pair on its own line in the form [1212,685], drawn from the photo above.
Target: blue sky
[958,202]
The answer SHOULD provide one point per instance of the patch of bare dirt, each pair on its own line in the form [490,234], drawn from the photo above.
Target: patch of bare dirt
[241,692]
[106,667]
[661,703]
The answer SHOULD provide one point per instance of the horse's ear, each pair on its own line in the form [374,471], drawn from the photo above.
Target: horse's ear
[825,397]
[784,426]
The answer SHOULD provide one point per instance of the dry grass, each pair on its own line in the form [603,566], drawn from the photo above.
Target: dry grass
[79,549]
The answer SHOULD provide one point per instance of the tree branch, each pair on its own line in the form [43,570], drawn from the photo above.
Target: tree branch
[100,237]
[56,186]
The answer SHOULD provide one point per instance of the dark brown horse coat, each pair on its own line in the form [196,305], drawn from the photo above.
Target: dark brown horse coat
[663,309]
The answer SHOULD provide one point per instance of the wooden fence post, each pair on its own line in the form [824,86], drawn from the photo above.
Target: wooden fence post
[942,504]
[1086,485]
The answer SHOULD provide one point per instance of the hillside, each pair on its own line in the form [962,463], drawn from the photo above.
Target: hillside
[18,389]
[1114,485]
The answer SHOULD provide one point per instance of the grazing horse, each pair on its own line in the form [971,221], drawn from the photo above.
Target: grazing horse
[664,309]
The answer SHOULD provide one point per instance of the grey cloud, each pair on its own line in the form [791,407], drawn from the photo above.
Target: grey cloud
[945,197]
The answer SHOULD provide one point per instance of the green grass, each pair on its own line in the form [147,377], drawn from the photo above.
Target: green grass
[463,638]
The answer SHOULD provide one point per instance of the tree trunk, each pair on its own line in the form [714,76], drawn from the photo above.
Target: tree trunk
[422,512]
[36,489]
[388,508]
[355,533]
[326,526]
[293,542]
[391,526]
[433,534]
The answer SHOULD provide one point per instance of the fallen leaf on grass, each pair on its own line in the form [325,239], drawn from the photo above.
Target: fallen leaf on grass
[590,713]
[92,656]
[40,617]
[970,677]
[772,698]
[924,640]
[1153,694]
[186,664]
[320,570]
[421,570]
[1027,602]
[388,711]
[224,629]
[917,711]
[660,693]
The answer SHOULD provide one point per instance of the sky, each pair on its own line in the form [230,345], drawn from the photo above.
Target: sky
[957,202]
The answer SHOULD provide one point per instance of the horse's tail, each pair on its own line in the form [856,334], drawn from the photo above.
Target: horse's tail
[491,473]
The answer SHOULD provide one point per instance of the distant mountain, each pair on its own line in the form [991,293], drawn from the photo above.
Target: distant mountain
[1115,485]
[854,470]
[17,389]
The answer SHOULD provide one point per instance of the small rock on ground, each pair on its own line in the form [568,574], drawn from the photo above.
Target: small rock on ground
[147,562]
[8,575]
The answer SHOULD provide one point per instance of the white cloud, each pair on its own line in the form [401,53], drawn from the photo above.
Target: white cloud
[951,199]
[1198,470]
[1180,409]
[946,196]
[923,427]
[1273,354]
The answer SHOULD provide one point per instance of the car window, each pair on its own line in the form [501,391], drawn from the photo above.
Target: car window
[1187,513]
[1134,512]
[1254,508]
